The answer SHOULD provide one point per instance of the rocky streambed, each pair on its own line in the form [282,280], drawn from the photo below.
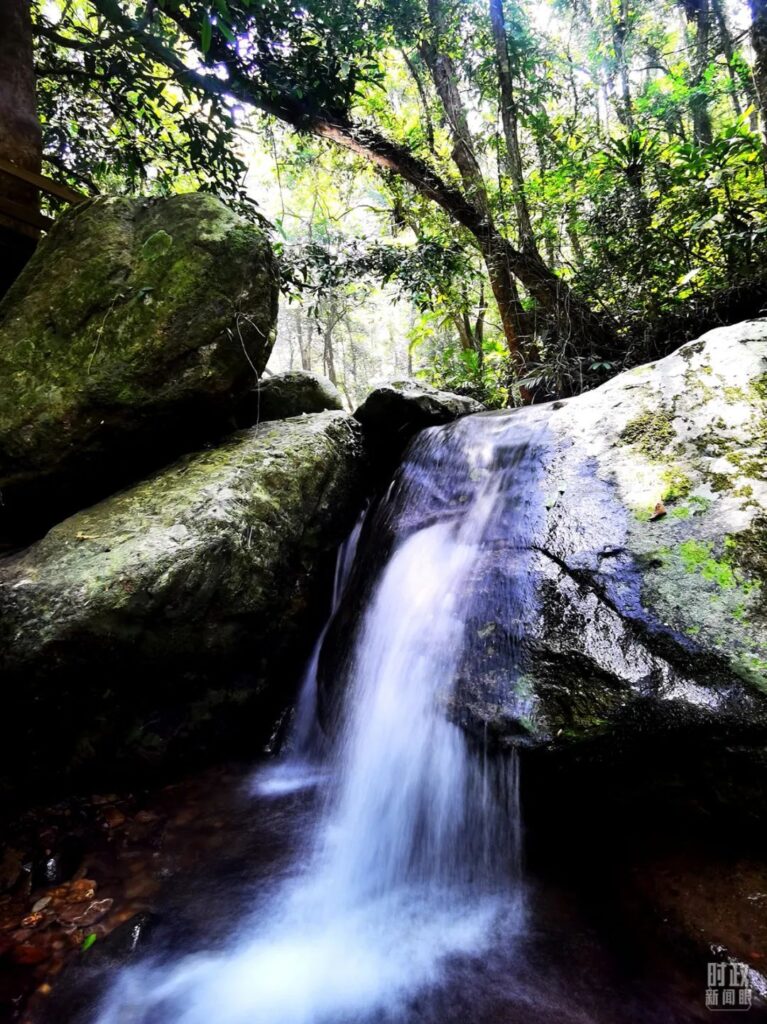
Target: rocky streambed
[95,883]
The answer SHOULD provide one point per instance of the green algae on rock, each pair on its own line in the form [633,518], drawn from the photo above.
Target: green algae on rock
[124,341]
[144,625]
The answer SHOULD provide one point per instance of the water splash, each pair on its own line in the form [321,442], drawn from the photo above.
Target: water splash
[416,856]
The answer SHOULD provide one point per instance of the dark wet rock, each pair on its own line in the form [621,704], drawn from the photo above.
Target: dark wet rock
[11,867]
[394,413]
[86,914]
[128,939]
[59,863]
[288,394]
[172,619]
[123,343]
[647,642]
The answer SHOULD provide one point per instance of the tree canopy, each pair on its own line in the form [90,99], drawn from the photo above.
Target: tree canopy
[561,188]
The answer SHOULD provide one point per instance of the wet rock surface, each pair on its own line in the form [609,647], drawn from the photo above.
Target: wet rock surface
[123,343]
[627,647]
[393,413]
[172,620]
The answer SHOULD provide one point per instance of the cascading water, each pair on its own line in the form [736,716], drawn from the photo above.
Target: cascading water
[304,746]
[415,856]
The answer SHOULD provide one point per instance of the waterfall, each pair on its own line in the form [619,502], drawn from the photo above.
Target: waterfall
[415,857]
[303,748]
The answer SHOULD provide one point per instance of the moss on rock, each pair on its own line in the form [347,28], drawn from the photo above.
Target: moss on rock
[651,432]
[197,580]
[130,330]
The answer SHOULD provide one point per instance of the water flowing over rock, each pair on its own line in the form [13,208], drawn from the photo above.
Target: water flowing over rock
[644,555]
[502,608]
[415,860]
[124,343]
[151,622]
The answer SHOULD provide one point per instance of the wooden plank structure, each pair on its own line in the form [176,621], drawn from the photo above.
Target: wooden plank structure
[29,215]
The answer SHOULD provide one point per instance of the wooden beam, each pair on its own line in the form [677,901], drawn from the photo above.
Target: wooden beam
[44,184]
[25,214]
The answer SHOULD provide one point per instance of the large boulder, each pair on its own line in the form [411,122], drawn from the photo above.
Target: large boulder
[394,413]
[644,662]
[124,342]
[617,610]
[175,615]
[288,394]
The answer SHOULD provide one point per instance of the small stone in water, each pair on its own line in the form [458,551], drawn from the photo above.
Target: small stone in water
[146,817]
[83,917]
[31,920]
[30,953]
[113,817]
[80,891]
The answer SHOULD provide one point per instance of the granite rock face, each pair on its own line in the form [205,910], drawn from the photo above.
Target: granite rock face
[616,613]
[394,413]
[288,394]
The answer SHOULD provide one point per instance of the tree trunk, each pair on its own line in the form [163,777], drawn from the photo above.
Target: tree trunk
[759,44]
[583,325]
[511,127]
[498,270]
[424,102]
[328,356]
[699,104]
[725,42]
[620,31]
[20,136]
[479,323]
[304,345]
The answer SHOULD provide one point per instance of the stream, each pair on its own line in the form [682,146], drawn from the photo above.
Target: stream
[375,872]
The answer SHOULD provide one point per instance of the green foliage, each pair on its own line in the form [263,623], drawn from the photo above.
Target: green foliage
[643,165]
[114,120]
[481,375]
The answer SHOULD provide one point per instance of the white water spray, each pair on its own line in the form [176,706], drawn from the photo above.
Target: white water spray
[415,859]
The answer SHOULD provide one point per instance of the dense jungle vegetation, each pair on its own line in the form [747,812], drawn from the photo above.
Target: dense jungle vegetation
[515,198]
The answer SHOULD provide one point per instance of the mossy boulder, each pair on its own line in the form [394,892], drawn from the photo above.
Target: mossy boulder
[646,653]
[288,394]
[174,617]
[651,550]
[125,342]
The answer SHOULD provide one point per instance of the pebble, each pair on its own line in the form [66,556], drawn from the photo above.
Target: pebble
[113,817]
[31,953]
[73,892]
[83,917]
